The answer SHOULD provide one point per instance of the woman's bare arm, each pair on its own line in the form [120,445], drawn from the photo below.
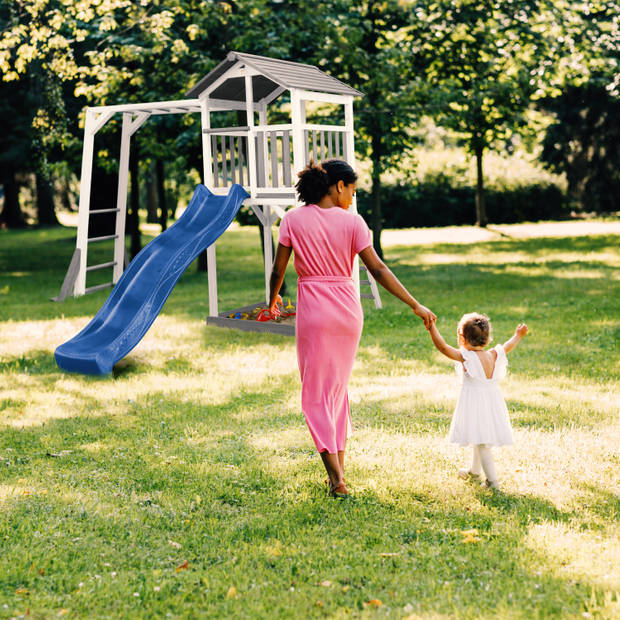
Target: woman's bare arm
[384,276]
[283,254]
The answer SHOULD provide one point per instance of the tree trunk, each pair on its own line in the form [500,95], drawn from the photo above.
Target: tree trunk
[151,196]
[66,198]
[11,215]
[133,217]
[45,202]
[481,211]
[161,194]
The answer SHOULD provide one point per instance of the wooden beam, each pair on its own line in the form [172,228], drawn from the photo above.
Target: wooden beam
[121,197]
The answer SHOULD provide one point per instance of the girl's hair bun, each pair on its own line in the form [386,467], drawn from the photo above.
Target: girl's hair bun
[316,179]
[476,329]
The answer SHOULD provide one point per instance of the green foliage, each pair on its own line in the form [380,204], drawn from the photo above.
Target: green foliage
[437,201]
[474,66]
[368,52]
[584,143]
[485,62]
[587,39]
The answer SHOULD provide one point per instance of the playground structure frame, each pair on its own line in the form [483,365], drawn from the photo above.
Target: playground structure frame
[260,156]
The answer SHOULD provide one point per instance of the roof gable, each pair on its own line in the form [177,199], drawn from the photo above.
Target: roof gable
[274,74]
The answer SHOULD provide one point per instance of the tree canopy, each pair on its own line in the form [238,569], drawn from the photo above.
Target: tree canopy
[475,67]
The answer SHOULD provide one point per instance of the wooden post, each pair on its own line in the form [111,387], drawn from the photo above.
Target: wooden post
[207,169]
[84,208]
[268,239]
[262,143]
[349,150]
[297,119]
[121,199]
[249,106]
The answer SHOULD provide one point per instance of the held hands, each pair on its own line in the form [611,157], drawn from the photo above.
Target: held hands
[426,315]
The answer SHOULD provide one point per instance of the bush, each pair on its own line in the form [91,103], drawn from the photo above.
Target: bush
[436,201]
[246,217]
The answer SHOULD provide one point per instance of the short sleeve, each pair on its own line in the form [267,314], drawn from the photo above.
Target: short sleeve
[461,367]
[361,235]
[284,236]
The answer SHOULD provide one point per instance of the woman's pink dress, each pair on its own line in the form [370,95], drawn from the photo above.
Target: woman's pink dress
[329,314]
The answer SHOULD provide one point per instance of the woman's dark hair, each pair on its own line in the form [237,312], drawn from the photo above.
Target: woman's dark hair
[316,179]
[476,329]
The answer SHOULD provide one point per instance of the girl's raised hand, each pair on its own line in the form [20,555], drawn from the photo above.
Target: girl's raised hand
[521,330]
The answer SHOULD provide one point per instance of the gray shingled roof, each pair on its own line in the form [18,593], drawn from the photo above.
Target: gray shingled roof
[273,74]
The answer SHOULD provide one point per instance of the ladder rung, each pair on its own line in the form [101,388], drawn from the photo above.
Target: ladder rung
[101,266]
[95,211]
[367,296]
[364,281]
[92,289]
[106,238]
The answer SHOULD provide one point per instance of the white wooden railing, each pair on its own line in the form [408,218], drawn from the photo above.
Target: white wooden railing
[273,147]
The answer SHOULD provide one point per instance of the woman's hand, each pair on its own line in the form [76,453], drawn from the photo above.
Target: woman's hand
[425,314]
[274,311]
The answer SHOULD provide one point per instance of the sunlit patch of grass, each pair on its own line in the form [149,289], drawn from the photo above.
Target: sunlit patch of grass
[14,491]
[473,255]
[578,554]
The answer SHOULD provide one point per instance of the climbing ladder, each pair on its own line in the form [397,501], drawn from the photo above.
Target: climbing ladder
[367,280]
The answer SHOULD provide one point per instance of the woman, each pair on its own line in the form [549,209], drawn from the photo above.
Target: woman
[329,318]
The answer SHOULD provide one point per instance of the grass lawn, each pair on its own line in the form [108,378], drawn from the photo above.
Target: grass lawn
[186,484]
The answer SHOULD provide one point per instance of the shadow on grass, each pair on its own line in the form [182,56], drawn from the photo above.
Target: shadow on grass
[565,414]
[525,509]
[192,522]
[603,503]
[424,415]
[39,363]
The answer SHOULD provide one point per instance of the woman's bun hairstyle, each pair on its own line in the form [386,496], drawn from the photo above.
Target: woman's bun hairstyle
[316,179]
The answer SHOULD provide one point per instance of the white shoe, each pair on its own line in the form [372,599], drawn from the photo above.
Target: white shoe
[465,474]
[491,484]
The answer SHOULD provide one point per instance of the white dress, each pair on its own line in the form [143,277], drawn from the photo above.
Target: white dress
[481,415]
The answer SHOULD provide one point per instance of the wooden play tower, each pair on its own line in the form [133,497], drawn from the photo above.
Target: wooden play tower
[262,157]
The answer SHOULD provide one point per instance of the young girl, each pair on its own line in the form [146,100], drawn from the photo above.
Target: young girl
[480,418]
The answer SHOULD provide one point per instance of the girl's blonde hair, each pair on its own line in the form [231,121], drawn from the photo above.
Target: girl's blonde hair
[475,328]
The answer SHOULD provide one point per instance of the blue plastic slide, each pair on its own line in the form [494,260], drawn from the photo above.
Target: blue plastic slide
[143,288]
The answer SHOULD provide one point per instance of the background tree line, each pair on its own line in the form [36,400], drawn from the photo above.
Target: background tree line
[492,72]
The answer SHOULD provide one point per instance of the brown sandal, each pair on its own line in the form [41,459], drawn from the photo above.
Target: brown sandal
[340,490]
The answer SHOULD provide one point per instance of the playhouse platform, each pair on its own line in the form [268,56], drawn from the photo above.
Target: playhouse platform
[283,326]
